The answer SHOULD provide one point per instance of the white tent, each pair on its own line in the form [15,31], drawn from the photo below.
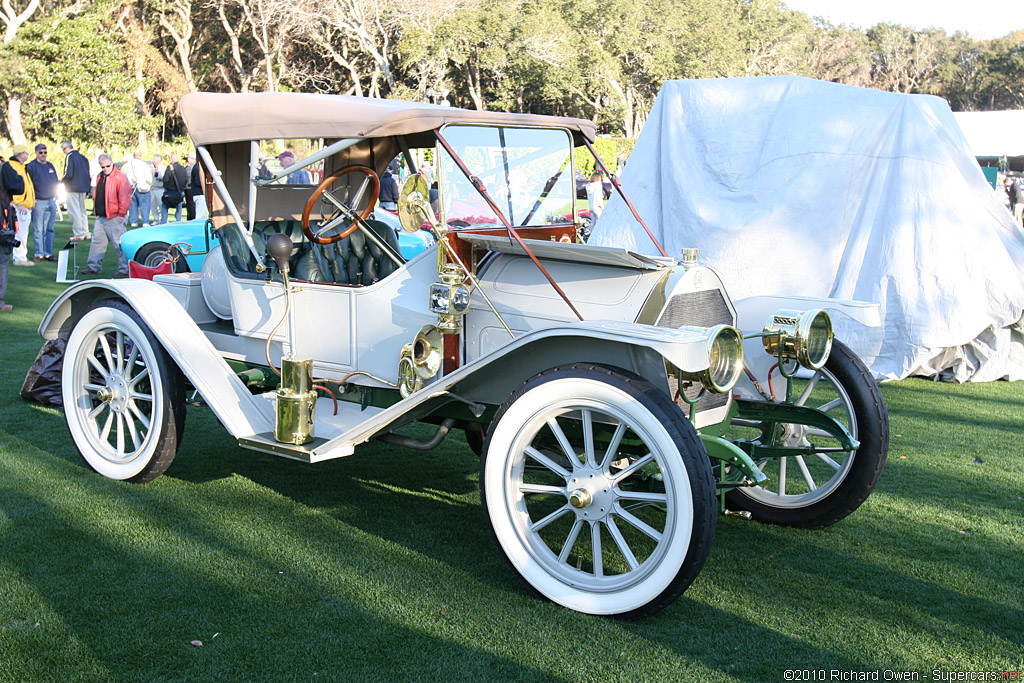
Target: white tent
[791,186]
[993,133]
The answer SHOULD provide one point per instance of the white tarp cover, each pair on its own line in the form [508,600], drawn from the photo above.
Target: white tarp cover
[792,186]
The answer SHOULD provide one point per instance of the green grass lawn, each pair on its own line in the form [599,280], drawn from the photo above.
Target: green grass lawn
[380,566]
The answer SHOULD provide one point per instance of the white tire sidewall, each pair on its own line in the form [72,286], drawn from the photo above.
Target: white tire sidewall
[510,536]
[73,393]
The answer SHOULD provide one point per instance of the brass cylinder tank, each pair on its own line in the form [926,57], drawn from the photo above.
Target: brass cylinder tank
[296,401]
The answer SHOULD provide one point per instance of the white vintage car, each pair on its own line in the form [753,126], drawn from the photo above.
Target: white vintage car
[614,403]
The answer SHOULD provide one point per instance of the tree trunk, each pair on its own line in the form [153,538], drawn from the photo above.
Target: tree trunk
[12,118]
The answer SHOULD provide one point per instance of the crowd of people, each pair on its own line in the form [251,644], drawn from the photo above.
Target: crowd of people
[135,192]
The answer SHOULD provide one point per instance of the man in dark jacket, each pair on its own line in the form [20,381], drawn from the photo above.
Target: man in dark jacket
[175,182]
[77,182]
[388,197]
[44,213]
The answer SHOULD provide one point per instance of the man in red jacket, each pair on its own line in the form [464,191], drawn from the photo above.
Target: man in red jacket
[111,198]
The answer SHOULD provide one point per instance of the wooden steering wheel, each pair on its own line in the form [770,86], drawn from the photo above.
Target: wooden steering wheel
[345,213]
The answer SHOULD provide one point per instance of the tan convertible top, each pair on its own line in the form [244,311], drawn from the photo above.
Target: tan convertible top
[229,117]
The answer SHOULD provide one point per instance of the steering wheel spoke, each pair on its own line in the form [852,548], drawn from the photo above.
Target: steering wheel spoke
[346,213]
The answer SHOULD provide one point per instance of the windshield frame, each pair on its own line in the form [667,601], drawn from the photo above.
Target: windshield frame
[442,150]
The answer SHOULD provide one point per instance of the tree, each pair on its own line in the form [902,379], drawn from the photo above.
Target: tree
[79,83]
[839,55]
[14,18]
[905,60]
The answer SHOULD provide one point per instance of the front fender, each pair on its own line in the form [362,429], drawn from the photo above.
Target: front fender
[753,312]
[240,412]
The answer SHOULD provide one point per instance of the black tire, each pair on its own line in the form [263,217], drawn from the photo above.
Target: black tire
[859,475]
[678,505]
[152,255]
[476,433]
[142,402]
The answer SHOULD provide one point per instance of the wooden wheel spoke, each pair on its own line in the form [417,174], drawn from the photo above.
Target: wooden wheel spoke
[132,407]
[805,472]
[595,548]
[563,441]
[547,462]
[806,393]
[570,540]
[829,461]
[637,523]
[588,438]
[621,544]
[541,488]
[543,522]
[636,466]
[613,446]
[132,432]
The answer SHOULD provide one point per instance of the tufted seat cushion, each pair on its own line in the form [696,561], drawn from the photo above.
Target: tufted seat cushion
[354,260]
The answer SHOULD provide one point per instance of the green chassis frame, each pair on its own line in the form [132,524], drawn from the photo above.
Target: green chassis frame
[740,454]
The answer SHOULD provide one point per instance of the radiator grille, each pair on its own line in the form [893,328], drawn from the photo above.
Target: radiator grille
[697,309]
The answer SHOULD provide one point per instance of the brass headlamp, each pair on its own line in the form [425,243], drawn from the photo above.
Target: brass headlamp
[803,336]
[725,360]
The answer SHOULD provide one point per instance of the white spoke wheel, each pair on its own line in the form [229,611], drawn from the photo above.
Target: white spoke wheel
[124,398]
[598,491]
[818,489]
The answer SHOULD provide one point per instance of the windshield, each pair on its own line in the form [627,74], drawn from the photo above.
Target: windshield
[526,171]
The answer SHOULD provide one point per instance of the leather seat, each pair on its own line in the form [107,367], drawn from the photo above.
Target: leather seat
[354,260]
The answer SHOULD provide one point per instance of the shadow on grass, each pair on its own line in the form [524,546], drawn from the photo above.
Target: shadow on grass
[135,577]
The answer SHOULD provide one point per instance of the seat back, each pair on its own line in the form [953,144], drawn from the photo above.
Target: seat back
[354,260]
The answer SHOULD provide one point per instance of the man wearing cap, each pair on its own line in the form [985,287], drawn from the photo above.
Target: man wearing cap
[44,213]
[300,177]
[112,197]
[388,196]
[15,175]
[76,181]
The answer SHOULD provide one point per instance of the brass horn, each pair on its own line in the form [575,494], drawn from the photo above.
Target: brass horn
[427,349]
[420,360]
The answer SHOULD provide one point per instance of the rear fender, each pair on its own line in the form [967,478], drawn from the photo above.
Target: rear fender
[240,412]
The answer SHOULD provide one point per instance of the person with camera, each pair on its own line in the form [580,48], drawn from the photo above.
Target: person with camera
[15,175]
[10,184]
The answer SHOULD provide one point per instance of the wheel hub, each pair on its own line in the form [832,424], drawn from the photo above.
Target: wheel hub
[591,494]
[115,393]
[793,435]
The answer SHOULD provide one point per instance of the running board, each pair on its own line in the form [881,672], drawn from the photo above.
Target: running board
[266,443]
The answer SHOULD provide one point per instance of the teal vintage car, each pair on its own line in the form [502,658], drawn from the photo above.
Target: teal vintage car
[149,245]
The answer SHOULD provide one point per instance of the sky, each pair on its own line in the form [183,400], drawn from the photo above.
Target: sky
[982,20]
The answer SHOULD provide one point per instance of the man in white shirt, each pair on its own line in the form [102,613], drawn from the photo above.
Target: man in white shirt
[140,175]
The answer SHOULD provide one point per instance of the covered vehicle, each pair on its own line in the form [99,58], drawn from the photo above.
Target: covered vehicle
[876,196]
[596,384]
